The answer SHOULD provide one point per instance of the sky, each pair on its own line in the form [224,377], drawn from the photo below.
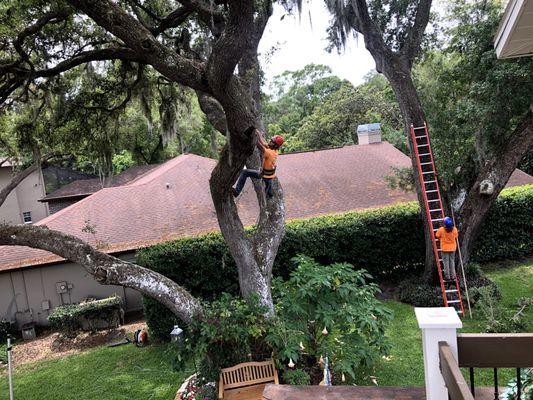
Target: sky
[302,40]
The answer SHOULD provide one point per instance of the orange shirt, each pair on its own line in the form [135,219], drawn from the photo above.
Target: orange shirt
[269,163]
[447,239]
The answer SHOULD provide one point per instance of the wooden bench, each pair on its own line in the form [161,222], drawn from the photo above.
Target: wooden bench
[246,381]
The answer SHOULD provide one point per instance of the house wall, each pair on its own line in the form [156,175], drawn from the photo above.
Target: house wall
[23,292]
[24,198]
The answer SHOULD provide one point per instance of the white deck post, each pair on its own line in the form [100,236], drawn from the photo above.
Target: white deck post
[438,324]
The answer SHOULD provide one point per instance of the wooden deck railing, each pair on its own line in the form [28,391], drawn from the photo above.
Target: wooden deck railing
[454,380]
[500,350]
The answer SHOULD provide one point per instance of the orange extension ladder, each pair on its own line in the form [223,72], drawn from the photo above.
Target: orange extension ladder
[427,173]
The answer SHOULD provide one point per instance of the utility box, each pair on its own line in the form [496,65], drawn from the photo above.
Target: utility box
[28,331]
[369,133]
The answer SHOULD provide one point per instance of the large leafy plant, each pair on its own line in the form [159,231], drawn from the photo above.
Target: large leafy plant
[329,311]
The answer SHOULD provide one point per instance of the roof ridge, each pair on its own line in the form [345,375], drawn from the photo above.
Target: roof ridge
[163,168]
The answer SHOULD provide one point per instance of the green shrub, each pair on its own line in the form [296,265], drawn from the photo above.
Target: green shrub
[71,318]
[296,377]
[420,294]
[498,318]
[328,310]
[388,242]
[6,328]
[230,331]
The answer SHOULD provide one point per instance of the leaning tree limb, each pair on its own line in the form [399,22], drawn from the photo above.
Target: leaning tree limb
[104,268]
[491,180]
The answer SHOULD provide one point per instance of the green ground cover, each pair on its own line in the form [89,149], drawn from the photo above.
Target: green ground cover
[128,372]
[119,373]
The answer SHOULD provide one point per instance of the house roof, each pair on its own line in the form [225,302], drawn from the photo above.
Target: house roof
[5,163]
[514,37]
[86,187]
[173,200]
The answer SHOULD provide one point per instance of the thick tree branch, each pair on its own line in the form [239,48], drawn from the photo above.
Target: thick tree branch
[106,269]
[416,33]
[51,17]
[229,48]
[19,177]
[89,56]
[213,111]
[165,60]
[17,76]
[172,20]
[491,180]
[373,38]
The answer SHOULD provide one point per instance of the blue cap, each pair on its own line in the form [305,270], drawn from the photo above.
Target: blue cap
[448,222]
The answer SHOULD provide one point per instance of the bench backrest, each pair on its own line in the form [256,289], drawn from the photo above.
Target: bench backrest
[247,374]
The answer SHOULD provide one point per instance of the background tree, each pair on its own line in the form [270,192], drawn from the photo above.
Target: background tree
[393,32]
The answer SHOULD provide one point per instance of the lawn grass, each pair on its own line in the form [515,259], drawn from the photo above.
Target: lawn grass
[119,373]
[405,366]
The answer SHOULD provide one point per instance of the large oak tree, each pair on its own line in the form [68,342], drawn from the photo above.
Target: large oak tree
[218,60]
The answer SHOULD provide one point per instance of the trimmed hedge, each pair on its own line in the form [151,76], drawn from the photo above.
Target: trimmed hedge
[388,242]
[89,315]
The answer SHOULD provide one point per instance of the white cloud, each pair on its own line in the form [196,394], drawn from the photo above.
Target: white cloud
[302,40]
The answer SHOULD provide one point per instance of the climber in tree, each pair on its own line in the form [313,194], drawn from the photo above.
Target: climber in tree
[270,155]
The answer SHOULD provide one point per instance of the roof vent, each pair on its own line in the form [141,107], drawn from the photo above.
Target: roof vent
[369,133]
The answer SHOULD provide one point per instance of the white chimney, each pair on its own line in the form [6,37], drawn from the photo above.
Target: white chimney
[369,133]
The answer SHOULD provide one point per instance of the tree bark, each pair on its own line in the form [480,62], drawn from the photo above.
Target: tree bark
[497,171]
[413,113]
[106,269]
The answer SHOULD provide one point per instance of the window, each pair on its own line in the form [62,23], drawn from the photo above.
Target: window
[26,216]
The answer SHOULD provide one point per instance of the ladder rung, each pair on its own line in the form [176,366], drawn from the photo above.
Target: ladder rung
[437,209]
[422,145]
[433,181]
[425,154]
[453,301]
[430,201]
[428,172]
[437,219]
[426,163]
[431,191]
[419,127]
[451,291]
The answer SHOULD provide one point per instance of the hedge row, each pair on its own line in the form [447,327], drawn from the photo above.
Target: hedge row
[388,242]
[71,318]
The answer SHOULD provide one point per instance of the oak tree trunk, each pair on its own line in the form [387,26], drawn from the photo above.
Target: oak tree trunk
[399,77]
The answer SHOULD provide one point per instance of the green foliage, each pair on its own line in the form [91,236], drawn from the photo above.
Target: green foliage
[328,310]
[334,120]
[296,377]
[387,242]
[69,319]
[526,380]
[122,161]
[473,100]
[498,318]
[6,328]
[506,232]
[230,331]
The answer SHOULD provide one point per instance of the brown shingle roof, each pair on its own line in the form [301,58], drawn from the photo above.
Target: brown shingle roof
[144,211]
[86,187]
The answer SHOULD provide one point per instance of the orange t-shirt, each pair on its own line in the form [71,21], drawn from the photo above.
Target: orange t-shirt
[447,239]
[269,163]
